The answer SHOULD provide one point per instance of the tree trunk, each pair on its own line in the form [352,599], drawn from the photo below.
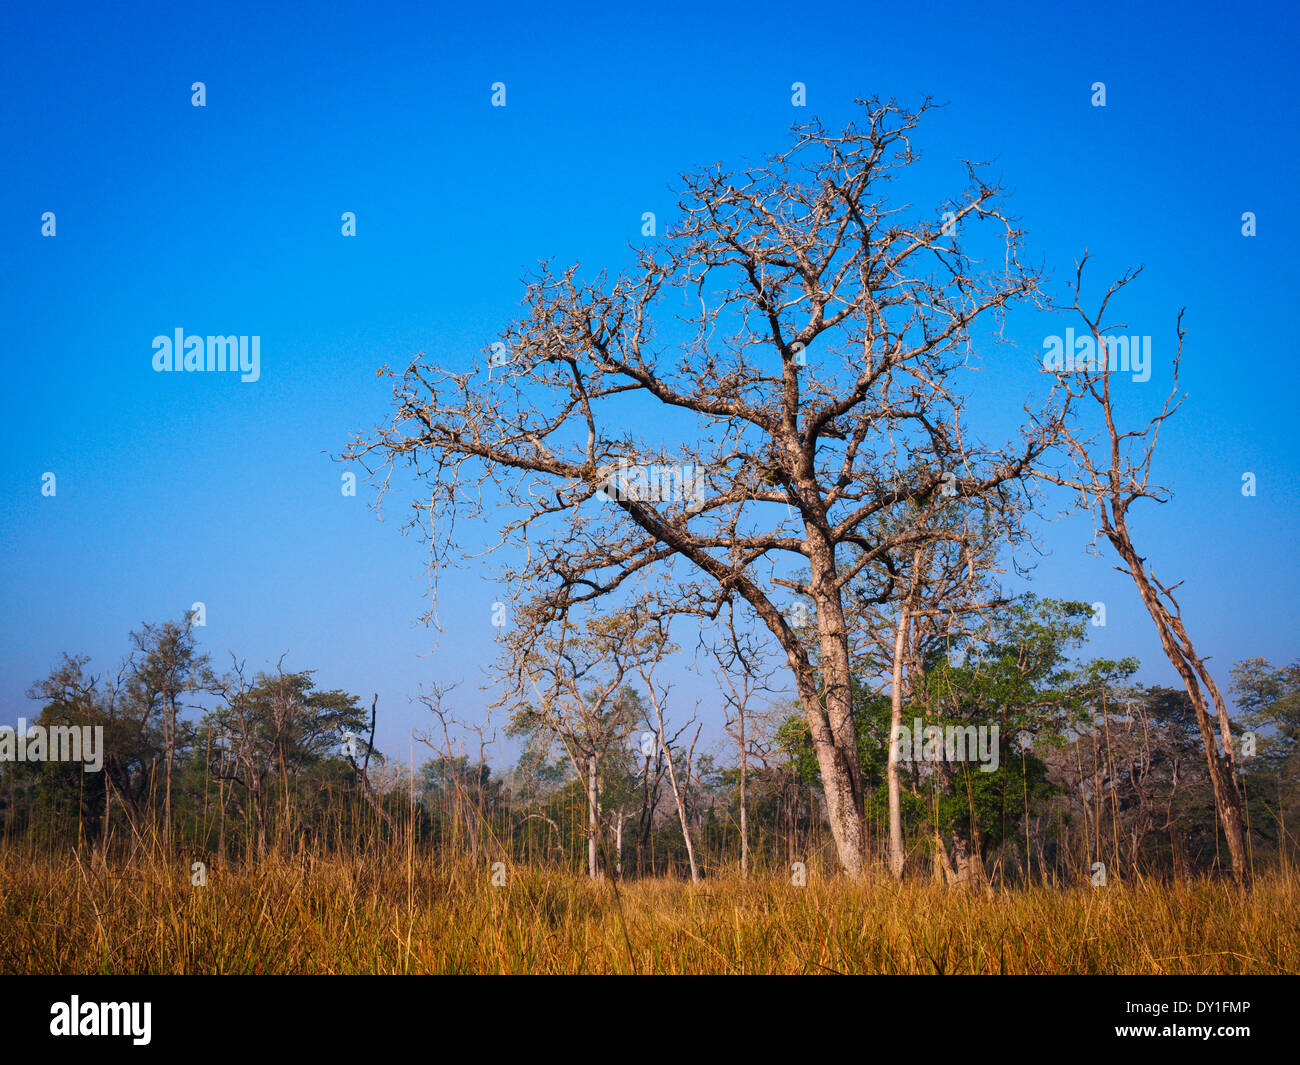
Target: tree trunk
[1223,779]
[744,817]
[678,798]
[221,831]
[260,814]
[618,843]
[834,737]
[643,823]
[593,820]
[108,812]
[891,766]
[169,719]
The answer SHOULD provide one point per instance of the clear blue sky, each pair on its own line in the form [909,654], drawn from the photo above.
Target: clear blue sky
[225,219]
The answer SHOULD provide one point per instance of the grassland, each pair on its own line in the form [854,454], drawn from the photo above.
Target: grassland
[406,914]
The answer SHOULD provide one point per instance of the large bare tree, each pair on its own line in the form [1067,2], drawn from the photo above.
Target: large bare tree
[740,412]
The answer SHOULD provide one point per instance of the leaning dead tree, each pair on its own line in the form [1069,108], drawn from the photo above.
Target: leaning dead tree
[739,412]
[1112,472]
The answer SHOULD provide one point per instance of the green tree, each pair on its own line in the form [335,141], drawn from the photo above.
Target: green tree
[276,728]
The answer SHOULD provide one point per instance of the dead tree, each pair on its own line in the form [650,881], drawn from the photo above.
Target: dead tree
[741,669]
[1112,472]
[450,752]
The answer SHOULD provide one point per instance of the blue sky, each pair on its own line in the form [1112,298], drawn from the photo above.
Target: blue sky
[175,488]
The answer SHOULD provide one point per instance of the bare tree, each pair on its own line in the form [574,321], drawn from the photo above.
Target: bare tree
[1109,477]
[740,667]
[648,636]
[451,757]
[577,683]
[814,391]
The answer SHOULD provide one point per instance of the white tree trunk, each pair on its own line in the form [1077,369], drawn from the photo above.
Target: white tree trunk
[744,813]
[593,819]
[891,766]
[677,794]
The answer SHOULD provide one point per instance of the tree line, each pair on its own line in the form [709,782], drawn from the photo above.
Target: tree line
[1082,768]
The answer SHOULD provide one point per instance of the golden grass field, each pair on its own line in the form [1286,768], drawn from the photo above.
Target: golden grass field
[407,914]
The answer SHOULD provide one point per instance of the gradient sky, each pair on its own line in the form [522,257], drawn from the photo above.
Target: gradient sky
[175,488]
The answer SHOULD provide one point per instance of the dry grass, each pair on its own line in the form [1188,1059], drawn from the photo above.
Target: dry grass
[400,915]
